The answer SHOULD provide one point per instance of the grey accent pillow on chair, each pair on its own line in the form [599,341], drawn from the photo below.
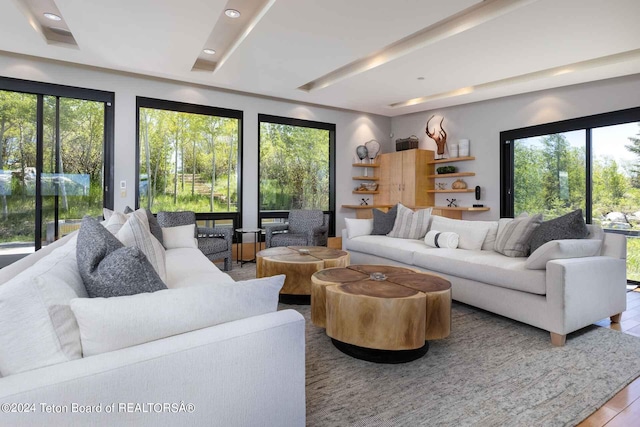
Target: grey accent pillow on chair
[108,268]
[383,221]
[568,226]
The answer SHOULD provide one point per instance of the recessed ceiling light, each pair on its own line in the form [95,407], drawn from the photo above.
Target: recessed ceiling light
[209,51]
[52,16]
[232,13]
[420,78]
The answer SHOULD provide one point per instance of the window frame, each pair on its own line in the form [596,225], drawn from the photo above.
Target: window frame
[183,107]
[40,90]
[289,121]
[587,123]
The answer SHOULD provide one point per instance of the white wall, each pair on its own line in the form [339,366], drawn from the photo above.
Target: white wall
[482,123]
[352,129]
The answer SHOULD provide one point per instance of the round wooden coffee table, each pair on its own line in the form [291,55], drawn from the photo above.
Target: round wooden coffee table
[384,321]
[298,263]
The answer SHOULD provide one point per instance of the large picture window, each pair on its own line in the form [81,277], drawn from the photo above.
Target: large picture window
[591,163]
[189,159]
[296,167]
[55,162]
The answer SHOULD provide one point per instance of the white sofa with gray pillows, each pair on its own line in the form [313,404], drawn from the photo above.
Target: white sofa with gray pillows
[560,275]
[108,326]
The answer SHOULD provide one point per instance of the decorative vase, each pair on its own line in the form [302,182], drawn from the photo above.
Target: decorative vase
[463,148]
[459,184]
[453,151]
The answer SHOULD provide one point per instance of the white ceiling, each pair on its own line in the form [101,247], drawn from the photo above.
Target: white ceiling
[533,45]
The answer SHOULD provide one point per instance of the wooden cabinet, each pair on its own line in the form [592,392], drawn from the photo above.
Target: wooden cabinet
[404,178]
[408,177]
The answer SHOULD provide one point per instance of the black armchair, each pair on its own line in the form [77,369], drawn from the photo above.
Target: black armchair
[214,242]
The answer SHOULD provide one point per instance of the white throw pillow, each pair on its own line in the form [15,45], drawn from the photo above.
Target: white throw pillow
[358,227]
[514,236]
[562,249]
[135,232]
[472,233]
[108,324]
[37,327]
[410,224]
[180,237]
[115,222]
[441,239]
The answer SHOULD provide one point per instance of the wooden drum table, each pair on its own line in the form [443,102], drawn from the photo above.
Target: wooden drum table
[298,263]
[381,313]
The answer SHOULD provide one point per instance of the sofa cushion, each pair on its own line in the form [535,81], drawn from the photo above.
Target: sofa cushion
[410,224]
[472,233]
[189,267]
[108,324]
[400,250]
[180,236]
[483,266]
[108,268]
[514,236]
[383,221]
[569,226]
[305,221]
[135,232]
[358,227]
[562,249]
[37,327]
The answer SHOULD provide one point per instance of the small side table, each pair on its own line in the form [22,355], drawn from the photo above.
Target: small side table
[240,232]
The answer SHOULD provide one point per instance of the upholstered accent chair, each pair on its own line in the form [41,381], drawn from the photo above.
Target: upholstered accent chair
[304,228]
[214,242]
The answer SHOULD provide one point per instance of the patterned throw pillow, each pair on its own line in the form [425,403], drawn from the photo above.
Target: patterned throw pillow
[135,232]
[569,226]
[108,268]
[514,237]
[383,221]
[410,224]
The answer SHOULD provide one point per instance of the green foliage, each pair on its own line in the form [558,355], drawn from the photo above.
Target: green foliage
[294,167]
[79,142]
[188,161]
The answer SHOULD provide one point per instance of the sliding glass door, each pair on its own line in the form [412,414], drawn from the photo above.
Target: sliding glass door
[53,152]
[590,163]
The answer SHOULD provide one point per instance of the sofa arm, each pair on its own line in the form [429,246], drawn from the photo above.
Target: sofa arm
[582,291]
[245,373]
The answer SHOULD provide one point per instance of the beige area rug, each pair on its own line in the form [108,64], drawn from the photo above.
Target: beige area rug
[491,371]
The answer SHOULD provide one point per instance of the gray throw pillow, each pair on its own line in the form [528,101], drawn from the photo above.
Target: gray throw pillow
[154,227]
[569,226]
[108,268]
[383,222]
[514,237]
[127,210]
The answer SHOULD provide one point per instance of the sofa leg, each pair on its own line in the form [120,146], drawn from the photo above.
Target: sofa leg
[616,318]
[558,340]
[228,264]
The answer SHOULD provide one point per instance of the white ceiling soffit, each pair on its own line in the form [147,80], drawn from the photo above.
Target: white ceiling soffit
[464,20]
[53,32]
[228,33]
[629,56]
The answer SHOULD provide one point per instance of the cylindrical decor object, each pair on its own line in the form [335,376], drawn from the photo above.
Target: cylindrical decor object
[463,147]
[453,150]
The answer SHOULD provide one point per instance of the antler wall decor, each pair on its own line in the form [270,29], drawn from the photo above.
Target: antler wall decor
[440,137]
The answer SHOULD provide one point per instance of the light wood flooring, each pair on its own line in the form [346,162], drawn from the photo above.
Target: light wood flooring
[624,408]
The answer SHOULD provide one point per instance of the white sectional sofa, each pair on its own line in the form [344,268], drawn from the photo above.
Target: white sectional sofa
[247,372]
[561,297]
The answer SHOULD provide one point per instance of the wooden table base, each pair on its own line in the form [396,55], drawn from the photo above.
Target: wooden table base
[381,356]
